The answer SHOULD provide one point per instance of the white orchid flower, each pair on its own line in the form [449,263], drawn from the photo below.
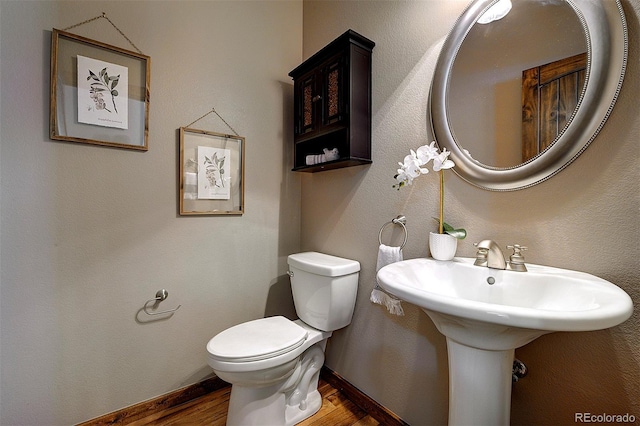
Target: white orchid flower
[427,153]
[410,169]
[402,178]
[441,161]
[412,165]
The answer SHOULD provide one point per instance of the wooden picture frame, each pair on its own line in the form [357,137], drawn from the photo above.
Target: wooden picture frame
[99,93]
[211,173]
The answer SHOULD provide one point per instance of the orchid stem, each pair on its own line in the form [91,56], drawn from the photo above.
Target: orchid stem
[441,230]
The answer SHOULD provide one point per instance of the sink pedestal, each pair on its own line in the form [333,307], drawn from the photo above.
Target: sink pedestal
[480,367]
[479,385]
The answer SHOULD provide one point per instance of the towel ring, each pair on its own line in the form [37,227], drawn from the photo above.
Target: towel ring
[160,296]
[399,220]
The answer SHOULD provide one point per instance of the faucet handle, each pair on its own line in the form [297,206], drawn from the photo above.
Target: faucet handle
[516,260]
[481,255]
[517,249]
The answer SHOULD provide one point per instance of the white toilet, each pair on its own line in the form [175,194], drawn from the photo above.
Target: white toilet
[273,363]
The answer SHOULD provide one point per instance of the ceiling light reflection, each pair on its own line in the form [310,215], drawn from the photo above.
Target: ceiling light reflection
[498,11]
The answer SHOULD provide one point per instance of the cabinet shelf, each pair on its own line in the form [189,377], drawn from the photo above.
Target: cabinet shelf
[332,104]
[331,165]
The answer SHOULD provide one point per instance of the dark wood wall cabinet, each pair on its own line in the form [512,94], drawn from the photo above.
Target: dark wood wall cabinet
[332,106]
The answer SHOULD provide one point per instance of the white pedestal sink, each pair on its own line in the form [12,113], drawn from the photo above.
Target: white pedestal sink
[486,314]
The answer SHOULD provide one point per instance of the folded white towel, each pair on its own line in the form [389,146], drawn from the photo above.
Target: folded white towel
[386,256]
[329,155]
[314,159]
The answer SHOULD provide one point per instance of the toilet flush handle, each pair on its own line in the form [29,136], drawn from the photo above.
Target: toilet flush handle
[290,273]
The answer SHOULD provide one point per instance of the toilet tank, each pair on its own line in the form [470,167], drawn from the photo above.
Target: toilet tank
[324,289]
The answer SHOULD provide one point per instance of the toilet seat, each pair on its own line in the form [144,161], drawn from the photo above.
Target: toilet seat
[222,359]
[257,340]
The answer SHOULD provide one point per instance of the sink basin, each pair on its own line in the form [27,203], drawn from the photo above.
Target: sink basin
[544,298]
[486,313]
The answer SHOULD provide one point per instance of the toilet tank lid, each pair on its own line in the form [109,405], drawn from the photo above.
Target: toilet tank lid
[323,264]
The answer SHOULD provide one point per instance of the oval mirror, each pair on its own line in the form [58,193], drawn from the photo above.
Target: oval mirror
[521,87]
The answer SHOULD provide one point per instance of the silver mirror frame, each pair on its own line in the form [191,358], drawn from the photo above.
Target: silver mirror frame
[605,30]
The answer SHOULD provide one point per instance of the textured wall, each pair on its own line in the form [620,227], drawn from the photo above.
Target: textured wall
[585,218]
[90,233]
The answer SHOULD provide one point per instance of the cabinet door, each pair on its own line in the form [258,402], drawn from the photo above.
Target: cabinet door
[334,90]
[306,104]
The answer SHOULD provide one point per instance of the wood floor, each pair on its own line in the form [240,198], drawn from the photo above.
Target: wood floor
[211,409]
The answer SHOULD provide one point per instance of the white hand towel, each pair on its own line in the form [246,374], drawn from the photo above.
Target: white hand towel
[386,256]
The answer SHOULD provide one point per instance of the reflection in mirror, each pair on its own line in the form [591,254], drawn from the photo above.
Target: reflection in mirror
[605,30]
[550,95]
[485,99]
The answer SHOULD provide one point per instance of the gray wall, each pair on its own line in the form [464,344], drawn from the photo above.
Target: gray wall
[90,233]
[585,218]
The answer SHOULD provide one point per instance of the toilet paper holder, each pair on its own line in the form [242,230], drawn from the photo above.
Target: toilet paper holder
[160,296]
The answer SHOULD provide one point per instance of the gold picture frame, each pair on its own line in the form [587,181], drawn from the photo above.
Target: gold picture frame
[211,173]
[99,93]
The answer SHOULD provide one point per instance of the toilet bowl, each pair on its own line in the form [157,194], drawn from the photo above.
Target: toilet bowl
[273,363]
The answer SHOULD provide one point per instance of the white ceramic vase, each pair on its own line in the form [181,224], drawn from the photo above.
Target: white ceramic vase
[442,246]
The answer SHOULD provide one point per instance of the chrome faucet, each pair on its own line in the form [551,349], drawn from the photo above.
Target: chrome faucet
[490,255]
